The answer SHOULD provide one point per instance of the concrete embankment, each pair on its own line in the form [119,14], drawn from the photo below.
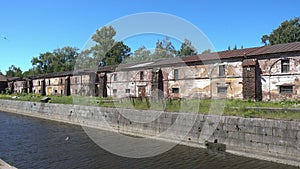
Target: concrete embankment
[4,165]
[273,140]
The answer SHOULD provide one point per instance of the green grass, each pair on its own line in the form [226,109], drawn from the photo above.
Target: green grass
[224,107]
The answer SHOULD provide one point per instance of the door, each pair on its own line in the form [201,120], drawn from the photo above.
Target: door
[142,91]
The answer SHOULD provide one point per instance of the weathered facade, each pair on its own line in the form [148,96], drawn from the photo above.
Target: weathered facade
[259,73]
[3,83]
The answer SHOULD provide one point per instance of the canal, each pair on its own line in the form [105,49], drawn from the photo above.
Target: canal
[32,143]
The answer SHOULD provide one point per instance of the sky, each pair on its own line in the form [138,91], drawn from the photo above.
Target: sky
[31,27]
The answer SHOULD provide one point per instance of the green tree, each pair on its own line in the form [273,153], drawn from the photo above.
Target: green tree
[104,39]
[140,55]
[117,54]
[57,61]
[164,49]
[206,51]
[288,31]
[187,49]
[14,71]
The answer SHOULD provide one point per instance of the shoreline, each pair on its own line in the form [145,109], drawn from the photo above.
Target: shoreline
[43,111]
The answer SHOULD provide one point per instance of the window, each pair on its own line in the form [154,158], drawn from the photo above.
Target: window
[55,91]
[285,66]
[127,90]
[48,82]
[175,90]
[76,80]
[115,91]
[176,75]
[61,81]
[39,83]
[222,70]
[141,75]
[286,89]
[115,77]
[222,90]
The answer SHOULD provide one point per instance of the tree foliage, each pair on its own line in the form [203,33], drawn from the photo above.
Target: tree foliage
[117,54]
[14,71]
[57,61]
[164,49]
[288,31]
[187,49]
[140,55]
[106,50]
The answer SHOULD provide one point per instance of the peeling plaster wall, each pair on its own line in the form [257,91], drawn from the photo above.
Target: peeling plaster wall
[273,77]
[116,86]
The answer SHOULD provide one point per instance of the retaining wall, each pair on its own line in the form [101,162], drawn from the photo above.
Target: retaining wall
[274,140]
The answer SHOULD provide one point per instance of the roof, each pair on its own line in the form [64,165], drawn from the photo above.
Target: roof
[280,48]
[3,78]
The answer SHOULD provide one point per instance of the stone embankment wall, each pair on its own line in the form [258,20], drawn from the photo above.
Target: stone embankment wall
[274,140]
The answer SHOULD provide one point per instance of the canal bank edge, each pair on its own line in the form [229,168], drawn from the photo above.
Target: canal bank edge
[4,165]
[272,140]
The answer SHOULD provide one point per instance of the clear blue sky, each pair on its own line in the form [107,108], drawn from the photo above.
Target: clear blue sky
[34,26]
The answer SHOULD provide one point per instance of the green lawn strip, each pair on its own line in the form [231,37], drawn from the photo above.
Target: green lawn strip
[249,109]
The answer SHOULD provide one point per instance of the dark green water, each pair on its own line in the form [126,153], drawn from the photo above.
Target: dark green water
[31,143]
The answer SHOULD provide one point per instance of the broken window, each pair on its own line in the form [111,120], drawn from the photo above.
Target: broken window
[175,90]
[286,89]
[285,66]
[222,70]
[141,75]
[222,90]
[176,75]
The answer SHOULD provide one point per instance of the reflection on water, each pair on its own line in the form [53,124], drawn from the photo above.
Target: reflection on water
[33,143]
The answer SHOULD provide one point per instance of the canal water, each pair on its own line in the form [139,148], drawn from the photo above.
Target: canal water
[32,143]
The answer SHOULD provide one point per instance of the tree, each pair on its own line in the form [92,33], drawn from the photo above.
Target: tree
[288,31]
[140,55]
[57,61]
[117,54]
[14,71]
[1,72]
[206,51]
[104,42]
[164,49]
[187,49]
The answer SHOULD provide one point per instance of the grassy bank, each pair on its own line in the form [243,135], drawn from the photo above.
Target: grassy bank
[282,109]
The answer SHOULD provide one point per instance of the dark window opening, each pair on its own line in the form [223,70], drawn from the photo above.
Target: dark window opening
[55,91]
[175,90]
[76,91]
[222,70]
[76,80]
[141,75]
[48,82]
[286,89]
[285,66]
[115,77]
[127,90]
[39,83]
[176,74]
[222,90]
[61,81]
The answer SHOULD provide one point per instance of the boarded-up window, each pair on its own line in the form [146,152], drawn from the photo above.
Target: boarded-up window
[176,75]
[175,90]
[285,66]
[222,90]
[222,70]
[286,89]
